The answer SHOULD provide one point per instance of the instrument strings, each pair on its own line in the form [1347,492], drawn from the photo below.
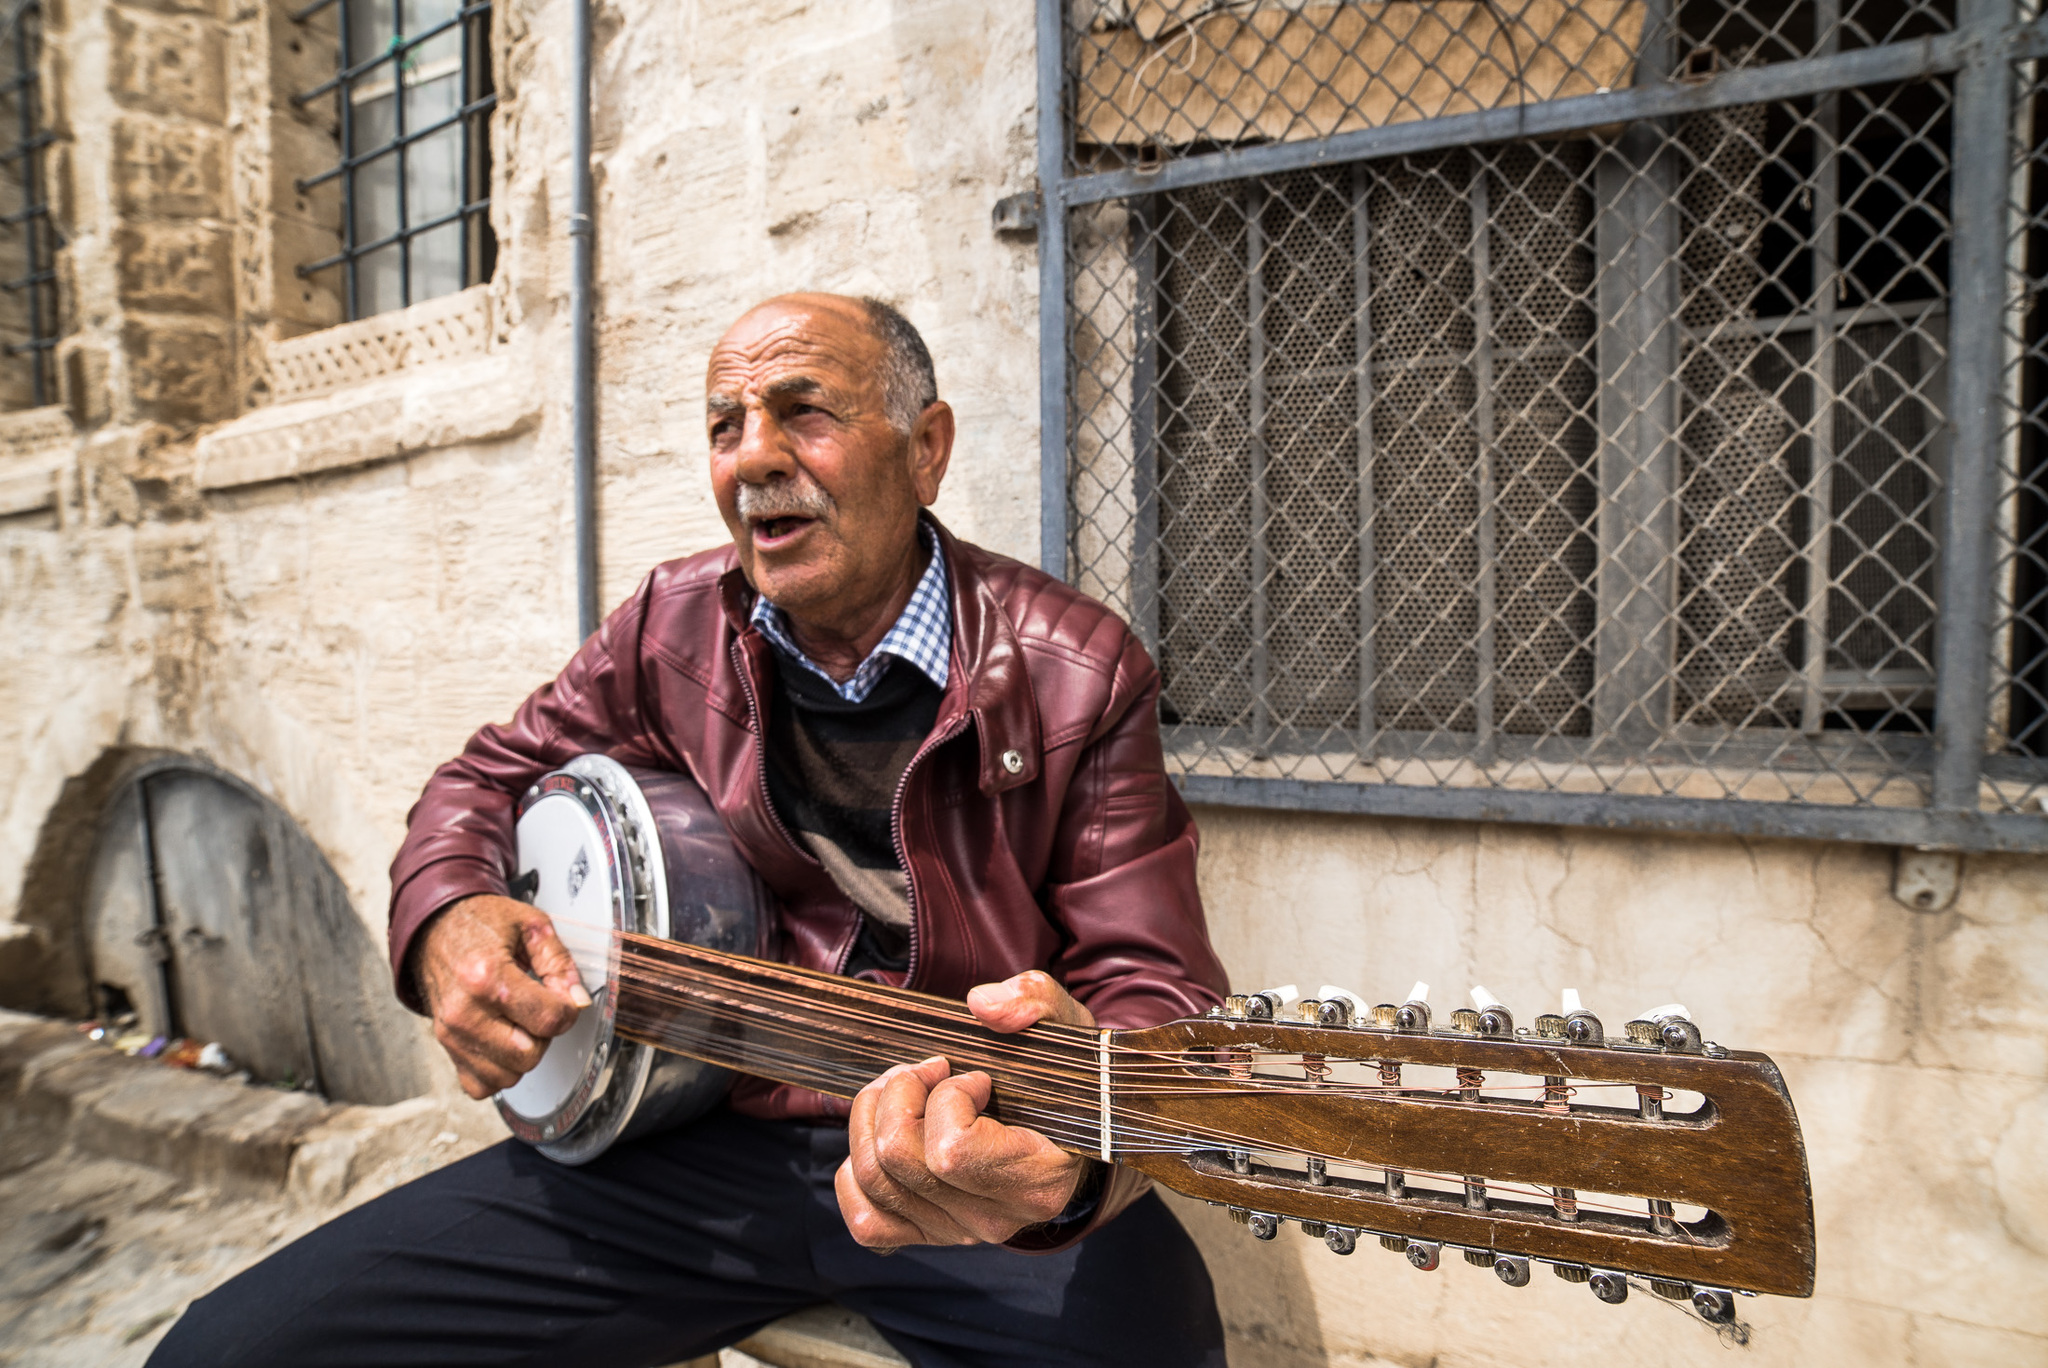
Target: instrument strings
[835,1036]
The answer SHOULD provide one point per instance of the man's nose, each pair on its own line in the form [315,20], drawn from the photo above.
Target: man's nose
[763,451]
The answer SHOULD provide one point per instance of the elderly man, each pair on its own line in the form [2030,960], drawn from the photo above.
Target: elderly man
[946,765]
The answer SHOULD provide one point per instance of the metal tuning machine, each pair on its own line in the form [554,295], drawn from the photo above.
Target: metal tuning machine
[1581,1027]
[1412,1016]
[1494,1019]
[1271,1003]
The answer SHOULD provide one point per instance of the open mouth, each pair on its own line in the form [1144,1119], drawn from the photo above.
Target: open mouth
[777,531]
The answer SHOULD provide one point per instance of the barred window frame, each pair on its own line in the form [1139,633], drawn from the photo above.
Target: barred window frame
[1971,774]
[366,156]
[31,295]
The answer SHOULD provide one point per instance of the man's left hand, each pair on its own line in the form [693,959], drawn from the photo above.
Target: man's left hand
[928,1166]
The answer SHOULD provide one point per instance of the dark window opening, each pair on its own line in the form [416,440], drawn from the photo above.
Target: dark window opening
[28,238]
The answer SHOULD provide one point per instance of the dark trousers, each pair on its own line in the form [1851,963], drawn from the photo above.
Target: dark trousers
[676,1245]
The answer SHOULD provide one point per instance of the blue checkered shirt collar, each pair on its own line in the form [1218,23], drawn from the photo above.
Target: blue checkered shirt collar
[923,635]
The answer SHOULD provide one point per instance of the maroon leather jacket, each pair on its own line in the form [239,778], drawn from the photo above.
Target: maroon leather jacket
[1036,822]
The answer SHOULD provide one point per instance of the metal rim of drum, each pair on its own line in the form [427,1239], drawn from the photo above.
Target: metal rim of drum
[604,1099]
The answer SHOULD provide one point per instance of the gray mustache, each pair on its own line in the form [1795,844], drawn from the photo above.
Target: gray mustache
[798,498]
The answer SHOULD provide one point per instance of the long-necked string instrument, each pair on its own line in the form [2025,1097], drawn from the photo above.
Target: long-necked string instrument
[1655,1154]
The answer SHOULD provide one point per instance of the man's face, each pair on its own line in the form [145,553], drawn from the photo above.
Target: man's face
[820,492]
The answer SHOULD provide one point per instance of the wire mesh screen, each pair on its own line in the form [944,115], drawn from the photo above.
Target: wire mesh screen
[1616,462]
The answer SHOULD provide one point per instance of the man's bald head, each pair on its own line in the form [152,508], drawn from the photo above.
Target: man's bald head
[826,437]
[909,382]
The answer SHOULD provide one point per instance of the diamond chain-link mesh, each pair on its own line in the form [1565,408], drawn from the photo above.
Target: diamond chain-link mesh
[1611,463]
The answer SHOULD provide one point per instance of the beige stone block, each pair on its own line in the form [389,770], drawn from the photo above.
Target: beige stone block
[209,8]
[303,56]
[299,151]
[305,301]
[82,374]
[164,170]
[180,371]
[176,267]
[1941,1342]
[168,64]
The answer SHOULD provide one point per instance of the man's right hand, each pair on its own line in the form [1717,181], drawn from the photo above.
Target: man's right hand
[499,984]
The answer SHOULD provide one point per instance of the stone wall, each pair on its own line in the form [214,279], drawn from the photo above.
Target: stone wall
[320,556]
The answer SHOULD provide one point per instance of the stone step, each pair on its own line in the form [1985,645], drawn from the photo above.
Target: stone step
[59,1090]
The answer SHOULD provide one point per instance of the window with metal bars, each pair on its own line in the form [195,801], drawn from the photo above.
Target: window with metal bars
[1550,409]
[28,238]
[413,95]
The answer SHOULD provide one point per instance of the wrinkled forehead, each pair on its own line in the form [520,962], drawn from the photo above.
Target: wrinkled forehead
[777,345]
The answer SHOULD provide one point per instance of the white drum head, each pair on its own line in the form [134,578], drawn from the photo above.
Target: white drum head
[560,839]
[569,841]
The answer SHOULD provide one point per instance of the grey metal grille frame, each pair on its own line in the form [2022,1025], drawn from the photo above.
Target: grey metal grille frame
[384,167]
[30,322]
[1625,413]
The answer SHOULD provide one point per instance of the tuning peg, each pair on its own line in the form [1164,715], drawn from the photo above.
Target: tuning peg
[1339,1003]
[1425,1254]
[1716,1305]
[1671,1027]
[1609,1287]
[1413,1015]
[1581,1027]
[1269,1003]
[1494,1018]
[1340,1239]
[1263,1227]
[1511,1269]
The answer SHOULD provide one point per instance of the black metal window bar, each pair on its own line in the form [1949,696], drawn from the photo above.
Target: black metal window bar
[28,249]
[1615,412]
[413,93]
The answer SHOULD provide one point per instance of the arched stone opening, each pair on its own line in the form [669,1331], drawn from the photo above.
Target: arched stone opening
[165,886]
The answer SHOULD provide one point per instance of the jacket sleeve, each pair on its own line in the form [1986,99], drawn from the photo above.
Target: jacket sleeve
[458,836]
[1122,890]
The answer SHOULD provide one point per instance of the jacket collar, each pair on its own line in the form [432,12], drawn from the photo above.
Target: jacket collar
[988,679]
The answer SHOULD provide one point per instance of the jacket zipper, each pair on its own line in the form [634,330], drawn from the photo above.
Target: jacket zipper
[761,761]
[931,743]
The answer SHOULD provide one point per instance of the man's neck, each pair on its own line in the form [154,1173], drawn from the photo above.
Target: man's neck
[840,645]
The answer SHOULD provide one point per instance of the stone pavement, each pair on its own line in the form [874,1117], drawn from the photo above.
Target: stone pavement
[128,1188]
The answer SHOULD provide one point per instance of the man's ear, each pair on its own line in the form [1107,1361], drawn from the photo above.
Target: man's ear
[931,450]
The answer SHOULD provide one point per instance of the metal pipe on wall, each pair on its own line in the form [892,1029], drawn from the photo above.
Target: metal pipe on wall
[582,322]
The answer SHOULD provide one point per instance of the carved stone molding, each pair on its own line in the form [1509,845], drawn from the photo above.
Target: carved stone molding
[484,400]
[452,328]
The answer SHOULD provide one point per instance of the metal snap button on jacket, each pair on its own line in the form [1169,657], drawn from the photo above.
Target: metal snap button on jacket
[1013,761]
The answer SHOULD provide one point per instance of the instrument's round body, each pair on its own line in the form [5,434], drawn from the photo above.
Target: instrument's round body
[606,848]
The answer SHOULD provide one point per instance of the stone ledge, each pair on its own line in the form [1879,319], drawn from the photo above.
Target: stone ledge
[485,400]
[38,448]
[59,1091]
[822,1337]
